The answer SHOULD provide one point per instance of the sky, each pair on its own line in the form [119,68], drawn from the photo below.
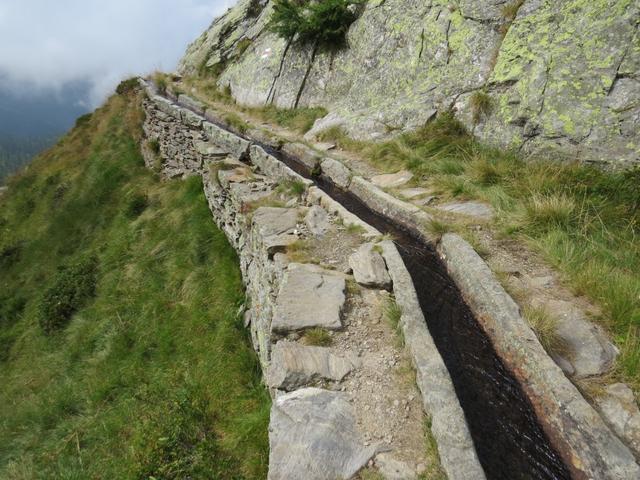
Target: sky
[47,45]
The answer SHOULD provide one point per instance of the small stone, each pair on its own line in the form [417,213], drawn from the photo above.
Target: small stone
[317,221]
[369,268]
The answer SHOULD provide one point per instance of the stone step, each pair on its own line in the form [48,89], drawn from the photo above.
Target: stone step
[309,297]
[293,366]
[313,436]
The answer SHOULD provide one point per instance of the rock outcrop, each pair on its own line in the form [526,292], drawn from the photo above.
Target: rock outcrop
[561,78]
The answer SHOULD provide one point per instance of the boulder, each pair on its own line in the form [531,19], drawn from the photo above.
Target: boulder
[618,408]
[369,268]
[313,436]
[293,366]
[309,297]
[392,180]
[317,220]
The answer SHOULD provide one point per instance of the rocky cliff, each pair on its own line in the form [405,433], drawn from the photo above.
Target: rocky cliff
[557,78]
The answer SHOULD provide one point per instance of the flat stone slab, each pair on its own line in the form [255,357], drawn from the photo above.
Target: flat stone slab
[411,193]
[317,220]
[309,297]
[392,180]
[618,408]
[276,226]
[293,366]
[478,210]
[313,436]
[369,268]
[589,350]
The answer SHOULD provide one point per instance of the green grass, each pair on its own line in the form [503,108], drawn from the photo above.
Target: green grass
[150,374]
[298,119]
[323,23]
[236,123]
[481,106]
[318,337]
[583,220]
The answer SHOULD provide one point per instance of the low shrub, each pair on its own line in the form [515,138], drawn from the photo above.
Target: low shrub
[69,290]
[83,120]
[127,86]
[236,123]
[321,23]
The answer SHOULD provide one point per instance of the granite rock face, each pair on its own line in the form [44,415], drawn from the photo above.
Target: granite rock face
[563,77]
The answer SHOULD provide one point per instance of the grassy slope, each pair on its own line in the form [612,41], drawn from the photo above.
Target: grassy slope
[154,375]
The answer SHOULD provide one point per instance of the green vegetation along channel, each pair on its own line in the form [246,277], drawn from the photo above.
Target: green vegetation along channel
[122,354]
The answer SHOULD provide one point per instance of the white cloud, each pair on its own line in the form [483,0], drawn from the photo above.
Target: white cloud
[47,44]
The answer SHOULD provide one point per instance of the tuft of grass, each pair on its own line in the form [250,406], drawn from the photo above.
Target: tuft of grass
[545,212]
[339,136]
[154,146]
[545,326]
[242,46]
[481,106]
[294,188]
[298,119]
[434,466]
[161,81]
[301,252]
[234,121]
[393,313]
[318,337]
[438,227]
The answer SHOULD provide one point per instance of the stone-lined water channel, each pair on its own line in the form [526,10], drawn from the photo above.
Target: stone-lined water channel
[509,440]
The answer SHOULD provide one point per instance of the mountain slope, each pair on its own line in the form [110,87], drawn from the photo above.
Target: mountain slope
[121,351]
